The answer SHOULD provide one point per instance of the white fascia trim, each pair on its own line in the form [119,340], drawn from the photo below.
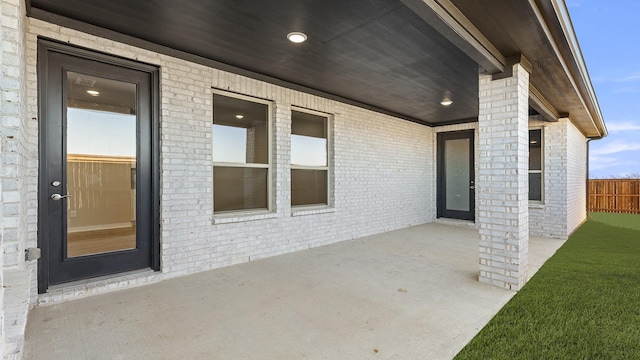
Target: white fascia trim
[570,34]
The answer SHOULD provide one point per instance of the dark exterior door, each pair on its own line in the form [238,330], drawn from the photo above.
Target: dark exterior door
[98,173]
[456,177]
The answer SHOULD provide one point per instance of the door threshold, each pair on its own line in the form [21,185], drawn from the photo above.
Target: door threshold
[99,285]
[457,222]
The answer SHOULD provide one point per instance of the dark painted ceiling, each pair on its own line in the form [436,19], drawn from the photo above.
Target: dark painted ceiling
[374,52]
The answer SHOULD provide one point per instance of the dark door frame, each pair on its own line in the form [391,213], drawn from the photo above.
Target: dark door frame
[45,48]
[441,180]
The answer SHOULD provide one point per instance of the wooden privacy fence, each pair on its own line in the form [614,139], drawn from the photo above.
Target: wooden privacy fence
[615,195]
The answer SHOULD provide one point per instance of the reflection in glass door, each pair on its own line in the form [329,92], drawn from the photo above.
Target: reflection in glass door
[101,165]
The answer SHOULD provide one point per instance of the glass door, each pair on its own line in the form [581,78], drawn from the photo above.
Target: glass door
[96,169]
[456,180]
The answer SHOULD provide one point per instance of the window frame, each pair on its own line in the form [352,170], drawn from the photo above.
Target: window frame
[327,168]
[542,164]
[268,165]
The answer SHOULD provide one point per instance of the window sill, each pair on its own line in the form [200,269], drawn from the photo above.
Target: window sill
[311,210]
[536,205]
[242,216]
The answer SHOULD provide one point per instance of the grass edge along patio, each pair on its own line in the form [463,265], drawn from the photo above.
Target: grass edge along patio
[580,305]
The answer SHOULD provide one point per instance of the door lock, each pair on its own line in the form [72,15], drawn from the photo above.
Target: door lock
[56,183]
[472,187]
[57,197]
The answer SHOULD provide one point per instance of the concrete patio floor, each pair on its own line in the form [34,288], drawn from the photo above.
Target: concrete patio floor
[406,294]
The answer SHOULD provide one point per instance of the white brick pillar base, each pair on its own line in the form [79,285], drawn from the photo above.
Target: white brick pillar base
[502,179]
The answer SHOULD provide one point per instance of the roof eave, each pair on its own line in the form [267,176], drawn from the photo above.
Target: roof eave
[553,15]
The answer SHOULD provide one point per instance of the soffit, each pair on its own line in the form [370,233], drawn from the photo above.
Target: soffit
[370,52]
[376,54]
[514,28]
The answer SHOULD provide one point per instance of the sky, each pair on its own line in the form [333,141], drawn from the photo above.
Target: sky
[92,132]
[230,145]
[609,36]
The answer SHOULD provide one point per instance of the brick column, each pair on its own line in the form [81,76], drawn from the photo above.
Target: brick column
[502,179]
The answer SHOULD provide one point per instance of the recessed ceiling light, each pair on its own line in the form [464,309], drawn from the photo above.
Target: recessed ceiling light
[297,37]
[239,116]
[93,92]
[446,102]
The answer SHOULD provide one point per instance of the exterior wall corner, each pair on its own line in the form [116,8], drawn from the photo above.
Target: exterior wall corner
[18,154]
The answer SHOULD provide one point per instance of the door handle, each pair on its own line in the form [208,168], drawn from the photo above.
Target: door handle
[472,187]
[57,197]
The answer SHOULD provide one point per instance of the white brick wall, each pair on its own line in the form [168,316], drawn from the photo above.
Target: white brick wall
[18,152]
[576,178]
[547,217]
[19,142]
[563,207]
[382,166]
[2,97]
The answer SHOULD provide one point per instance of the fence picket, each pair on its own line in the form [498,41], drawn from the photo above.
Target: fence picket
[615,195]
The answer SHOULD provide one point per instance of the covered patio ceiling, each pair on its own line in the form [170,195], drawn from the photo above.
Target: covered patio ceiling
[397,56]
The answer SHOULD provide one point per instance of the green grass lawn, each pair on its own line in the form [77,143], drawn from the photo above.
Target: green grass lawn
[631,221]
[584,303]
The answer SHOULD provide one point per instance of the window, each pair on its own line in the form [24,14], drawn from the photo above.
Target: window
[535,165]
[309,159]
[241,155]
